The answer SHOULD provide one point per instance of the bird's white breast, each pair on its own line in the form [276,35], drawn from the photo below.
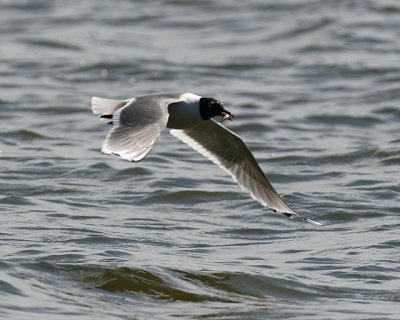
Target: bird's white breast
[185,113]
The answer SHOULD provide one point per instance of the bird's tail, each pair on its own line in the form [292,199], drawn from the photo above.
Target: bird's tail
[106,107]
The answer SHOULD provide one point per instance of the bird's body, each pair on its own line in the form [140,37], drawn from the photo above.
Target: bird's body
[138,122]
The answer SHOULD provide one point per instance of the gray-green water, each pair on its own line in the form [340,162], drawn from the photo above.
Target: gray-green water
[315,86]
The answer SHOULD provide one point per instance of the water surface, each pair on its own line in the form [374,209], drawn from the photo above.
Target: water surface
[315,88]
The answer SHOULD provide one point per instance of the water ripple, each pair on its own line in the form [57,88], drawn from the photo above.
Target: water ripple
[314,85]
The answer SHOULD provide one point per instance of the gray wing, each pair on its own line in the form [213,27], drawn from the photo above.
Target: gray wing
[228,150]
[137,126]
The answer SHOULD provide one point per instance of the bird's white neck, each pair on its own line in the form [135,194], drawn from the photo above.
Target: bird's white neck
[190,98]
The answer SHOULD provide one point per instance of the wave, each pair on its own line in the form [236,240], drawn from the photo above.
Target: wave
[166,284]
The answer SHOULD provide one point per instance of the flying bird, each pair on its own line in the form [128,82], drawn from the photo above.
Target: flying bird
[137,124]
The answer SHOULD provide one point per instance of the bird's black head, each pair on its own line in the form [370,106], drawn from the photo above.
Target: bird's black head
[210,107]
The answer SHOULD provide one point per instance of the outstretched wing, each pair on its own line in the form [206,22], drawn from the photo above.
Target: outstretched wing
[228,150]
[137,126]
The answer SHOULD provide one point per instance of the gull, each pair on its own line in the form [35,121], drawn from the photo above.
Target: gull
[138,122]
